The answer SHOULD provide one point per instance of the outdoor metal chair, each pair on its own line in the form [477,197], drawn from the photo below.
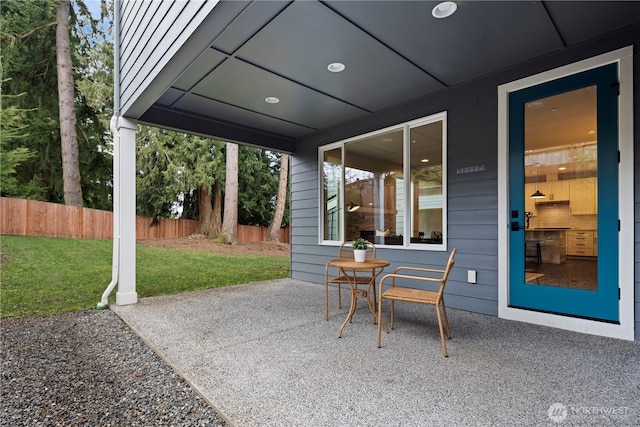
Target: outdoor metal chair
[431,297]
[340,277]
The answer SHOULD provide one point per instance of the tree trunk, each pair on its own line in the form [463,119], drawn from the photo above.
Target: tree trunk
[216,215]
[274,232]
[66,97]
[230,221]
[204,212]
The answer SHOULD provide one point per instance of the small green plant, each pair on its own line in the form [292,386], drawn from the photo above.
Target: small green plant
[360,244]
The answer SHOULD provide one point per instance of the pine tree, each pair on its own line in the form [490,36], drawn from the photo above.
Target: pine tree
[66,106]
[230,219]
[274,231]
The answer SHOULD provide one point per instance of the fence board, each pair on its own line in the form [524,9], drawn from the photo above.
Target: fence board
[99,223]
[20,217]
[13,211]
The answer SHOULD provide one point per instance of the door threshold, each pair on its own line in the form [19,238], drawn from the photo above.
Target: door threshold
[593,319]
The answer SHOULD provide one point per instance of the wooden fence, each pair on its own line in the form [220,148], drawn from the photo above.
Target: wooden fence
[23,217]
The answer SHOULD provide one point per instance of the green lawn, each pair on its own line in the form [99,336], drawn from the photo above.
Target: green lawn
[44,276]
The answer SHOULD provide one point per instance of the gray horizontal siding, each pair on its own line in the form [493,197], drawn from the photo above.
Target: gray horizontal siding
[311,221]
[480,202]
[475,217]
[308,175]
[472,228]
[477,305]
[472,197]
[307,257]
[304,186]
[151,33]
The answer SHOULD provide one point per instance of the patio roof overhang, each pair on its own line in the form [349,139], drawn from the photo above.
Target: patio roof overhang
[216,83]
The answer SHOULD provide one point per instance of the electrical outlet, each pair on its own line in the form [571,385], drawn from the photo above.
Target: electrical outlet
[472,276]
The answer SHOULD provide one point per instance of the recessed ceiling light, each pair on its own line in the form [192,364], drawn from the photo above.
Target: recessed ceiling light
[387,139]
[591,132]
[271,100]
[336,67]
[562,168]
[535,105]
[425,160]
[444,9]
[554,109]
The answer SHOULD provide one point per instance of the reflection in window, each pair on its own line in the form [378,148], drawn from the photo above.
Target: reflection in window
[372,166]
[378,204]
[332,180]
[426,183]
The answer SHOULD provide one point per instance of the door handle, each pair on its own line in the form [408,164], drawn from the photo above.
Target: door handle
[515,225]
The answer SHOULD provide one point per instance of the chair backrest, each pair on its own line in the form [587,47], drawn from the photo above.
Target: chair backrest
[447,270]
[346,251]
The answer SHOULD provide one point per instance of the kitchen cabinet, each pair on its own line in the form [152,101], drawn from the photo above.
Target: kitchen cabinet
[583,196]
[581,243]
[554,190]
[529,203]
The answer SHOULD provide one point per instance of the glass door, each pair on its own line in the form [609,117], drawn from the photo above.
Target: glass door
[563,192]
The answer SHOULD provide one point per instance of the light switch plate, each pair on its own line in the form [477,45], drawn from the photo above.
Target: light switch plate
[472,276]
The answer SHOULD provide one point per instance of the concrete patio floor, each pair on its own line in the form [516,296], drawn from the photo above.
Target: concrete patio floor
[262,355]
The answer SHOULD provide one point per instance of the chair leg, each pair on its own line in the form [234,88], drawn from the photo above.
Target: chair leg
[392,312]
[444,345]
[326,292]
[373,288]
[446,319]
[326,300]
[379,323]
[339,297]
[375,298]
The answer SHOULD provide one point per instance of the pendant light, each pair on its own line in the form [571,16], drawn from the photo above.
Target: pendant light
[537,194]
[352,207]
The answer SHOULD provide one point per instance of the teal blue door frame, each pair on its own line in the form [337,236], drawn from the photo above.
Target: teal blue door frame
[602,303]
[557,313]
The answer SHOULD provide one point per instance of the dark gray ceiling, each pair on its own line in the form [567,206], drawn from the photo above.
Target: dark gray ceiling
[393,51]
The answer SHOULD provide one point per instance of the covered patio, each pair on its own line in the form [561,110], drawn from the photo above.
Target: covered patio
[317,78]
[262,354]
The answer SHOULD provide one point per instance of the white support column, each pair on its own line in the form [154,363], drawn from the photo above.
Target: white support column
[125,190]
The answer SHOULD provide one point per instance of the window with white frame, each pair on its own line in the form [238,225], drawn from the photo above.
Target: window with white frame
[388,186]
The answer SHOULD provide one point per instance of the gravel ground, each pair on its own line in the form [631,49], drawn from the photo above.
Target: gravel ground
[88,368]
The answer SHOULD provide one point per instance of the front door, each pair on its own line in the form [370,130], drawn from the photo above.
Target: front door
[563,196]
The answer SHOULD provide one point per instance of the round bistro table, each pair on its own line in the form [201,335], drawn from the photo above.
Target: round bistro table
[349,267]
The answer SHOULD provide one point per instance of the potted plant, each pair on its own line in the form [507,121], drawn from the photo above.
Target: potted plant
[360,247]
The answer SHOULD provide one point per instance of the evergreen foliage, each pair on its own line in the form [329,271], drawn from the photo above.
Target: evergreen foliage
[27,34]
[12,153]
[173,168]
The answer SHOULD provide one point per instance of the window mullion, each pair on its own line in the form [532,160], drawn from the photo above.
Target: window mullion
[408,185]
